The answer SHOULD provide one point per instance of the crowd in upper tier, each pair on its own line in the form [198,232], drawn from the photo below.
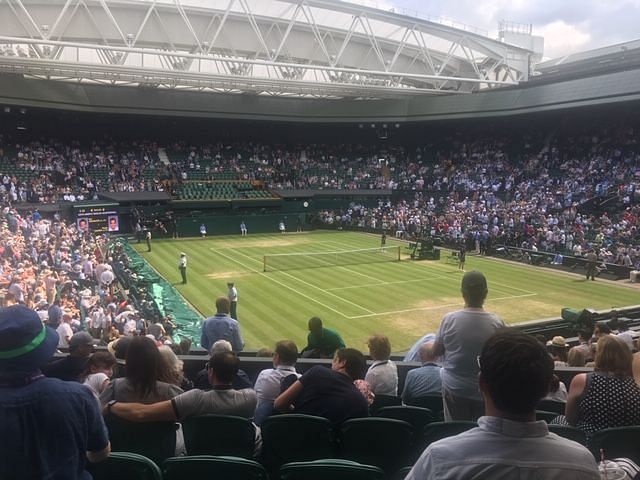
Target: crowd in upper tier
[549,169]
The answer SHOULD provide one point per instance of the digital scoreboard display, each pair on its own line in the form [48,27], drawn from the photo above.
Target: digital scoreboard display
[98,218]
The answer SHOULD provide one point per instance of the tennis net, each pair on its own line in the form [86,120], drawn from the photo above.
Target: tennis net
[295,261]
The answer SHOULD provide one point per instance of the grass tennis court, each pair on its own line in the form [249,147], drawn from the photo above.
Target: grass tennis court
[402,299]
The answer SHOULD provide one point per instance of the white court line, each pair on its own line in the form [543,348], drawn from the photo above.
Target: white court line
[301,281]
[276,281]
[385,283]
[437,307]
[436,266]
[312,285]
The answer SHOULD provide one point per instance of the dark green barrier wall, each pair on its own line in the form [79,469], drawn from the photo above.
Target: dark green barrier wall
[230,224]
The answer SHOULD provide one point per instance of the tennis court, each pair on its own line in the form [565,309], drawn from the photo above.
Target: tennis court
[403,299]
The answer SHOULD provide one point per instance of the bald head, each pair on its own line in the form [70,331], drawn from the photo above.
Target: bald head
[427,353]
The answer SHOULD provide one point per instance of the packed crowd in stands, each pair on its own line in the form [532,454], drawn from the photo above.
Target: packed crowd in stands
[69,278]
[549,171]
[61,292]
[524,192]
[497,377]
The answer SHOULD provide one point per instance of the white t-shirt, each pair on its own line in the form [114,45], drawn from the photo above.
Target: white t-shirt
[463,334]
[64,330]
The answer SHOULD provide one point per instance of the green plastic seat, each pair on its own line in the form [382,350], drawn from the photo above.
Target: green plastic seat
[225,435]
[125,466]
[154,440]
[382,401]
[212,467]
[619,442]
[439,430]
[552,406]
[432,402]
[546,416]
[417,417]
[295,438]
[383,442]
[571,433]
[330,469]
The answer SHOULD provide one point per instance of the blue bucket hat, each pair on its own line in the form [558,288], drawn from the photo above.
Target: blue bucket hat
[25,343]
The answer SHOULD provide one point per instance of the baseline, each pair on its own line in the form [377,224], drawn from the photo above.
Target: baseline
[435,307]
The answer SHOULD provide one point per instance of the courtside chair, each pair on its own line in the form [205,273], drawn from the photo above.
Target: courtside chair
[295,438]
[225,435]
[417,417]
[154,440]
[209,467]
[432,402]
[552,406]
[571,433]
[330,469]
[438,430]
[125,466]
[619,442]
[383,442]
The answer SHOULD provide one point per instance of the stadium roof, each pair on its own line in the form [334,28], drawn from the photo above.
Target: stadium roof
[304,48]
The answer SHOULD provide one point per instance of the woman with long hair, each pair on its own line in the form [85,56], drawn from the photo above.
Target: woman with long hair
[141,383]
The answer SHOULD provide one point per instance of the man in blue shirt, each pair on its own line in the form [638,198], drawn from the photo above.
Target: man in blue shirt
[48,427]
[221,327]
[425,380]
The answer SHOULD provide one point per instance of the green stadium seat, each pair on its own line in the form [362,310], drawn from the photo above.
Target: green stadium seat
[552,406]
[546,416]
[154,440]
[330,469]
[417,417]
[295,438]
[383,442]
[402,473]
[432,402]
[382,401]
[571,433]
[125,466]
[619,442]
[236,437]
[438,430]
[204,467]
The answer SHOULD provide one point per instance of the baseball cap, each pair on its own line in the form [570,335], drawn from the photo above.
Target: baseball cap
[79,339]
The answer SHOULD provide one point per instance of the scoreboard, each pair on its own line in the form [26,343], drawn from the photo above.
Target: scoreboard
[102,218]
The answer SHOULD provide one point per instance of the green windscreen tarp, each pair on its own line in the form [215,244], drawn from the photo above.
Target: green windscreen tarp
[166,298]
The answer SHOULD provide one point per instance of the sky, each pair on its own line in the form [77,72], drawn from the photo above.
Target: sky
[568,26]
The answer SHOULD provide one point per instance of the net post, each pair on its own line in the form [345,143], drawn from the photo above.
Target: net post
[398,252]
[264,263]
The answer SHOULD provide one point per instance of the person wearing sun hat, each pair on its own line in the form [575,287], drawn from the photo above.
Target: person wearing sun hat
[558,349]
[48,427]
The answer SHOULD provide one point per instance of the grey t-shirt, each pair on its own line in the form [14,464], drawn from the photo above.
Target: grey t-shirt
[241,403]
[463,334]
[122,390]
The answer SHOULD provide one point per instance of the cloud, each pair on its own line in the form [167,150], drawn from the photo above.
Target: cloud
[560,38]
[568,25]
